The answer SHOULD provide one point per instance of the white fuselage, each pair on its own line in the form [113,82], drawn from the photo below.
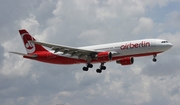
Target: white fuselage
[134,47]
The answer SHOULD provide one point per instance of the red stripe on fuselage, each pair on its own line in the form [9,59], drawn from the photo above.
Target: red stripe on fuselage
[49,57]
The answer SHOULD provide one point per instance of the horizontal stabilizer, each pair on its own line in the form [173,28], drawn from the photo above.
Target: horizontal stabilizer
[27,55]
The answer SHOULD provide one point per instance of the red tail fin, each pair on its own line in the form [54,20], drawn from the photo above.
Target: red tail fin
[30,47]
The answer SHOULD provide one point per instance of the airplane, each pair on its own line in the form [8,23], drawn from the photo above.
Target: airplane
[121,52]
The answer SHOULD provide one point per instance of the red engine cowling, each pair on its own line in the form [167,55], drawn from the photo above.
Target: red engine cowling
[104,56]
[126,61]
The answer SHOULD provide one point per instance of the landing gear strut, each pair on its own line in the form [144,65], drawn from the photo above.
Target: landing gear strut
[99,70]
[102,67]
[154,59]
[87,67]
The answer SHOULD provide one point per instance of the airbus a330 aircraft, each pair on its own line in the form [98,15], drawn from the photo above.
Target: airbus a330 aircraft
[122,52]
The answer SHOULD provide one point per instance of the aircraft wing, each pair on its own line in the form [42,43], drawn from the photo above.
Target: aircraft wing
[81,53]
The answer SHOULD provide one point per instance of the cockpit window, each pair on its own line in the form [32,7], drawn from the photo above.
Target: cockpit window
[164,42]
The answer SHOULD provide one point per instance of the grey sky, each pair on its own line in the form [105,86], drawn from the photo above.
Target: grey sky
[88,22]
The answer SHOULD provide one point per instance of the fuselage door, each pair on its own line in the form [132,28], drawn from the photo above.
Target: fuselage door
[153,46]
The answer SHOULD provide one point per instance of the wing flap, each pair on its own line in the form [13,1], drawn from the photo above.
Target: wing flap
[67,50]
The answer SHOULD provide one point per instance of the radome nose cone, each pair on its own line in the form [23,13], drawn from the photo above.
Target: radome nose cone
[170,45]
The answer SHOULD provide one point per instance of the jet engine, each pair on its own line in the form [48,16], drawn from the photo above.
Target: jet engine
[104,56]
[126,61]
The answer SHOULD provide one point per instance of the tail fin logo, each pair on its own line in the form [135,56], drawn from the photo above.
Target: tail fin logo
[30,47]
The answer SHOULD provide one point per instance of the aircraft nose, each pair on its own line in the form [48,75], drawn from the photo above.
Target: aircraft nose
[169,45]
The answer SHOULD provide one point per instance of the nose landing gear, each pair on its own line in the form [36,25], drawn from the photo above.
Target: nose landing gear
[154,59]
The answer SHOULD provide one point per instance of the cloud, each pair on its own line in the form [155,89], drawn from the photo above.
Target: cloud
[144,25]
[30,23]
[1,55]
[80,23]
[92,34]
[173,20]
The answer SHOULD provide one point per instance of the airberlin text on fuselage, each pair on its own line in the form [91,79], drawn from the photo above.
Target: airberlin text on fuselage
[135,45]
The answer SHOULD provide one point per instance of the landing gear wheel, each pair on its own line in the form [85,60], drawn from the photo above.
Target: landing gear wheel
[103,67]
[85,68]
[89,65]
[154,59]
[98,70]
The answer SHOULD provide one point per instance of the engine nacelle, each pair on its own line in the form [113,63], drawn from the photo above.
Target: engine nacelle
[104,56]
[126,61]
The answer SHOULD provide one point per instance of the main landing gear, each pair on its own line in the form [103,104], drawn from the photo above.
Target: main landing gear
[87,67]
[154,59]
[99,70]
[102,67]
